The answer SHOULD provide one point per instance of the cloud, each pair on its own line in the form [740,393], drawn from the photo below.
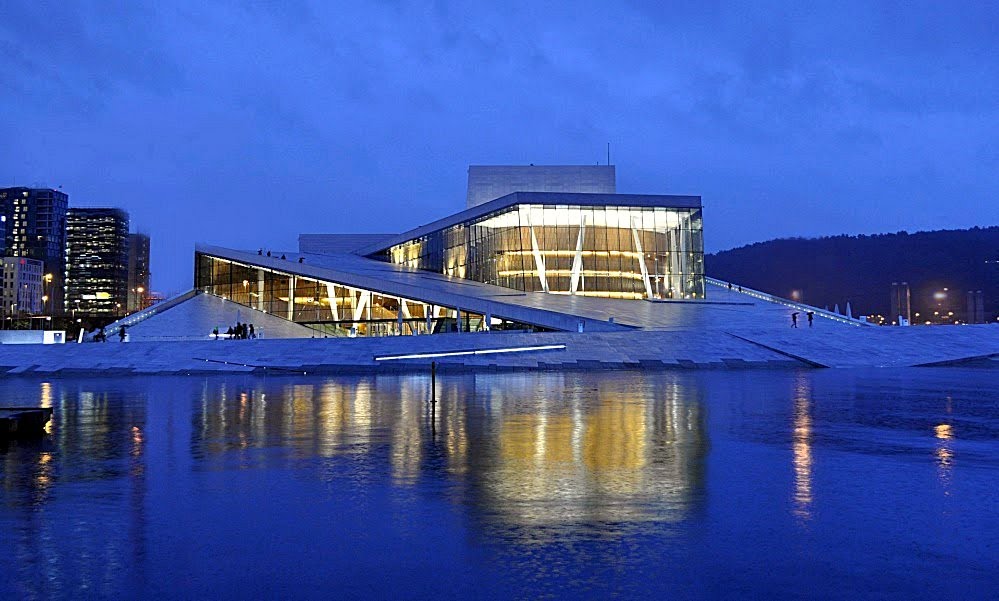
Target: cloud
[294,116]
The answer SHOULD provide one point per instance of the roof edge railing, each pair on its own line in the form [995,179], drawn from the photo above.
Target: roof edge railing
[787,303]
[140,316]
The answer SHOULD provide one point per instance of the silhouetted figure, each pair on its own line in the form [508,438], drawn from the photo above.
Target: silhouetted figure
[215,332]
[100,336]
[252,333]
[811,317]
[794,319]
[260,251]
[228,333]
[730,285]
[740,288]
[284,258]
[301,259]
[268,253]
[121,334]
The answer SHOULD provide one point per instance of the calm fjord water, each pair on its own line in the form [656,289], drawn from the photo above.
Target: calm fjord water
[811,484]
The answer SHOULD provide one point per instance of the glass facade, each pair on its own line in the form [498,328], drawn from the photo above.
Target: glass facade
[334,309]
[606,251]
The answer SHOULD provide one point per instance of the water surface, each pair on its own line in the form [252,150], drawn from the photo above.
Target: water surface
[817,484]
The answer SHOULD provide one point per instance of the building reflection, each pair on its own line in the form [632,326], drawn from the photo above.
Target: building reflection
[616,452]
[523,450]
[96,435]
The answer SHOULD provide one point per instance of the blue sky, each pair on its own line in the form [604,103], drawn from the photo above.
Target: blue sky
[245,123]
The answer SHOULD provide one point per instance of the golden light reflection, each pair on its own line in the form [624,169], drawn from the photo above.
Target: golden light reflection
[406,452]
[45,394]
[138,440]
[802,449]
[944,453]
[540,452]
[43,477]
[620,459]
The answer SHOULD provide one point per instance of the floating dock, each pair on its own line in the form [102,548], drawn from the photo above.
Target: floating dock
[22,422]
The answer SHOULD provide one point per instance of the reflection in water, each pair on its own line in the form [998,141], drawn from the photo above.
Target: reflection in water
[95,436]
[626,454]
[944,452]
[542,451]
[582,483]
[802,445]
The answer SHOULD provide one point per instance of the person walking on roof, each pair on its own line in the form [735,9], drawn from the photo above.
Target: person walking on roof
[811,316]
[121,334]
[794,319]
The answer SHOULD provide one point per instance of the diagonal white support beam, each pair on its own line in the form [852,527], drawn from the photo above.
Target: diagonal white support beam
[641,259]
[362,302]
[260,289]
[539,260]
[291,298]
[334,309]
[577,259]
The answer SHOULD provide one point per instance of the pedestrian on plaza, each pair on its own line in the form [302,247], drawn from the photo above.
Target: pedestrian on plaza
[101,336]
[794,319]
[811,317]
[284,258]
[215,332]
[301,259]
[228,333]
[252,333]
[268,253]
[121,334]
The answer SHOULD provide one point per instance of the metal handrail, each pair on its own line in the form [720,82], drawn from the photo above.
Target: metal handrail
[787,303]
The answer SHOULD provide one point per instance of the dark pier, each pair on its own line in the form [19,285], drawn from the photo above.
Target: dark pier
[23,422]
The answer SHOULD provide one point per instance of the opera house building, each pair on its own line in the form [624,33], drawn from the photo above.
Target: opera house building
[499,265]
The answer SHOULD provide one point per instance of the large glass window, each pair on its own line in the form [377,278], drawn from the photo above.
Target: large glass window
[333,309]
[618,252]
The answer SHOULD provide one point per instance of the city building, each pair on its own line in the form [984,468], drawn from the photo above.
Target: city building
[96,261]
[489,182]
[23,286]
[901,304]
[138,272]
[35,228]
[976,307]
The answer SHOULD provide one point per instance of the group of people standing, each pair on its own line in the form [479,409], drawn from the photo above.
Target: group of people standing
[101,335]
[241,331]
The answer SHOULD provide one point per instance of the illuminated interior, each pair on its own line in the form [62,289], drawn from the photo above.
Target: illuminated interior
[606,251]
[334,309]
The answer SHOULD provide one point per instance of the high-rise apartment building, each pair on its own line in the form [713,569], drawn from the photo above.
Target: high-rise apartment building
[22,290]
[901,303]
[489,182]
[96,261]
[35,228]
[976,307]
[138,272]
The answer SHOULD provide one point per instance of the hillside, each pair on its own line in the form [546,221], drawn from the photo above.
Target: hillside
[860,269]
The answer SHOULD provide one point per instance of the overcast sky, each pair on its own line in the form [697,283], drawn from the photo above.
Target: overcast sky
[247,123]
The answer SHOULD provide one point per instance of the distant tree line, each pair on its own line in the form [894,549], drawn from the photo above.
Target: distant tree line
[861,269]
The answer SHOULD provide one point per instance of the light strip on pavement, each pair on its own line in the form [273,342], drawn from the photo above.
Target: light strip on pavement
[492,351]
